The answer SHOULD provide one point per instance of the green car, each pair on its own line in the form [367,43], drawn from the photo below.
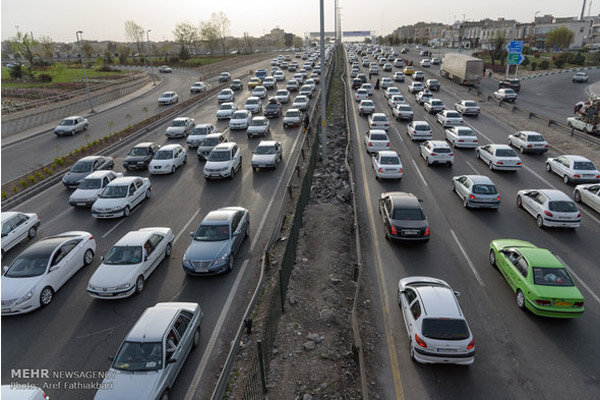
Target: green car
[542,283]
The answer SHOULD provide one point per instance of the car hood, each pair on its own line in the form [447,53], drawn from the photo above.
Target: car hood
[217,164]
[175,128]
[225,112]
[113,275]
[108,203]
[238,121]
[85,194]
[127,385]
[14,288]
[257,128]
[204,251]
[135,158]
[263,158]
[73,177]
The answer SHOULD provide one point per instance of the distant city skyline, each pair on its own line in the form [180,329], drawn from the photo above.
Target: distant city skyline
[60,19]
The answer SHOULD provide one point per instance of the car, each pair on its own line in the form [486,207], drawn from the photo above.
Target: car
[461,136]
[399,63]
[129,262]
[16,227]
[476,191]
[588,194]
[511,83]
[259,126]
[140,156]
[362,77]
[208,143]
[448,118]
[579,123]
[433,85]
[164,69]
[387,67]
[402,111]
[216,241]
[85,166]
[254,82]
[527,141]
[366,107]
[269,82]
[293,66]
[387,165]
[226,95]
[398,76]
[403,217]
[404,50]
[356,83]
[408,70]
[435,61]
[368,87]
[376,140]
[382,61]
[236,85]
[273,108]
[279,76]
[259,91]
[240,119]
[374,70]
[153,352]
[415,87]
[253,104]
[391,91]
[225,110]
[542,283]
[33,278]
[505,95]
[23,392]
[354,72]
[71,125]
[425,63]
[499,157]
[425,53]
[91,186]
[438,332]
[167,159]
[282,96]
[418,76]
[292,85]
[198,133]
[120,196]
[267,154]
[311,82]
[261,73]
[224,77]
[386,82]
[180,127]
[549,207]
[433,106]
[419,130]
[224,161]
[298,78]
[301,102]
[580,77]
[573,169]
[423,96]
[395,99]
[168,98]
[436,152]
[306,90]
[379,121]
[198,87]
[467,107]
[292,118]
[361,94]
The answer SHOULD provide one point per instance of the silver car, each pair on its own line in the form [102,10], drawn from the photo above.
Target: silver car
[208,143]
[153,352]
[266,155]
[477,191]
[71,125]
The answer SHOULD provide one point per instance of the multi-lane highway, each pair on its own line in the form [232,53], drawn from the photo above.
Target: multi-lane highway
[518,355]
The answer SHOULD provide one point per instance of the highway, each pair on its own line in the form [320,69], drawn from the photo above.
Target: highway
[76,332]
[519,355]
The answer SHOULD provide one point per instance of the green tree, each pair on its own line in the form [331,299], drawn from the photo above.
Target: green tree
[58,70]
[497,52]
[560,38]
[24,45]
[135,33]
[47,47]
[210,35]
[221,24]
[186,34]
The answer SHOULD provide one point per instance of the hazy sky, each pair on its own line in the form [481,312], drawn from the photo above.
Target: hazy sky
[104,19]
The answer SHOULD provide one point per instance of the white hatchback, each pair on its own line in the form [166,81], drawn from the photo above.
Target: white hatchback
[167,159]
[549,207]
[436,152]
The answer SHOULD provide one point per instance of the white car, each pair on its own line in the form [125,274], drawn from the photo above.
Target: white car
[419,130]
[279,76]
[292,85]
[379,121]
[399,63]
[573,169]
[301,102]
[225,110]
[580,77]
[527,141]
[292,118]
[415,87]
[386,83]
[398,76]
[588,194]
[282,96]
[16,227]
[435,61]
[499,157]
[260,92]
[392,91]
[34,277]
[198,87]
[395,99]
[198,133]
[180,127]
[436,152]
[433,106]
[226,95]
[402,111]
[90,187]
[267,154]
[120,196]
[71,125]
[549,207]
[462,136]
[368,87]
[208,143]
[240,119]
[306,90]
[425,63]
[505,94]
[223,161]
[366,107]
[387,165]
[253,104]
[477,191]
[129,263]
[259,126]
[467,107]
[16,392]
[165,69]
[387,67]
[418,75]
[298,78]
[449,118]
[361,94]
[168,98]
[437,329]
[269,82]
[423,96]
[167,159]
[311,82]
[376,140]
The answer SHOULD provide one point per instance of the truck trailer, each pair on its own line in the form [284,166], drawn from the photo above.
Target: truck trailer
[462,68]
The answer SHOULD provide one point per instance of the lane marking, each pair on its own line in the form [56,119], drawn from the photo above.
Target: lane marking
[419,172]
[471,265]
[473,168]
[56,217]
[108,232]
[398,134]
[186,225]
[580,280]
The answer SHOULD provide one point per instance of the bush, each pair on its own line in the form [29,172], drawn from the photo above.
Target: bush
[16,72]
[39,175]
[533,66]
[48,171]
[525,61]
[559,62]
[4,195]
[15,189]
[544,64]
[579,59]
[83,148]
[58,161]
[23,183]
[31,179]
[44,78]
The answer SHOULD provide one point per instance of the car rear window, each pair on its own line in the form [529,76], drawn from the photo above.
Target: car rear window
[408,214]
[584,165]
[505,153]
[445,329]
[444,150]
[551,277]
[484,189]
[562,206]
[378,136]
[470,104]
[405,108]
[422,127]
[465,132]
[390,160]
[535,138]
[452,115]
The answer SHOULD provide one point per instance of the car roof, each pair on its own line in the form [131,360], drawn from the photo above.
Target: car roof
[204,125]
[170,147]
[480,179]
[378,115]
[214,135]
[378,131]
[403,199]
[123,180]
[153,324]
[253,98]
[99,174]
[439,143]
[574,157]
[225,146]
[134,238]
[144,144]
[537,257]
[267,143]
[90,158]
[387,153]
[501,146]
[420,123]
[181,119]
[221,215]
[73,117]
[554,194]
[438,301]
[530,133]
[47,245]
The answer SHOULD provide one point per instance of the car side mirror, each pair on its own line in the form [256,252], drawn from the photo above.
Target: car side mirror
[145,258]
[172,360]
[4,269]
[192,234]
[111,358]
[456,293]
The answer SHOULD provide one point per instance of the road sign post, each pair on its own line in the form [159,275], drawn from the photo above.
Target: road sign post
[514,56]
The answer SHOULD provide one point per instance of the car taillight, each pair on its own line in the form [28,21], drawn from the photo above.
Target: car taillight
[400,170]
[460,141]
[475,141]
[370,144]
[427,231]
[451,154]
[472,197]
[578,215]
[380,170]
[546,146]
[91,237]
[576,176]
[393,230]
[597,176]
[529,146]
[499,163]
[387,144]
[498,197]
[471,344]
[545,303]
[519,163]
[548,213]
[420,341]
[434,154]
[578,304]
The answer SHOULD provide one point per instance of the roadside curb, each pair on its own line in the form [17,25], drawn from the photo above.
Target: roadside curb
[560,71]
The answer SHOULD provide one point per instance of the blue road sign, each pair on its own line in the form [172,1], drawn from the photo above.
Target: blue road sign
[515,46]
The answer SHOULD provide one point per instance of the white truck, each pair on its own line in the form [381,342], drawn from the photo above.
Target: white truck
[462,69]
[578,123]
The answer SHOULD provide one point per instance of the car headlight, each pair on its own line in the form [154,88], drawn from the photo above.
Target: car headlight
[221,259]
[123,287]
[23,299]
[186,262]
[92,287]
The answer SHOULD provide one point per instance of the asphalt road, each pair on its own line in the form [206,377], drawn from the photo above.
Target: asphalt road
[519,355]
[77,333]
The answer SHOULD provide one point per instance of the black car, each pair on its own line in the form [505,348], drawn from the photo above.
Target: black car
[362,77]
[404,50]
[403,217]
[236,84]
[514,84]
[140,156]
[356,83]
[272,109]
[84,167]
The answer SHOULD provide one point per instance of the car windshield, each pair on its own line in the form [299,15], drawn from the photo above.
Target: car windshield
[178,123]
[535,138]
[114,192]
[201,130]
[505,153]
[378,136]
[225,93]
[422,127]
[138,151]
[551,277]
[67,122]
[281,93]
[212,233]
[225,107]
[124,255]
[252,101]
[404,108]
[509,91]
[562,206]
[292,114]
[82,166]
[166,96]
[259,122]
[585,165]
[164,155]
[445,329]
[209,142]
[90,184]
[470,104]
[27,266]
[239,115]
[380,118]
[367,104]
[219,156]
[139,356]
[272,105]
[452,115]
[437,103]
[265,150]
[389,160]
[408,214]
[484,189]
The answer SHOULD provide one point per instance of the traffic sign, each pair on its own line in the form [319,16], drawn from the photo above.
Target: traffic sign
[515,46]
[515,58]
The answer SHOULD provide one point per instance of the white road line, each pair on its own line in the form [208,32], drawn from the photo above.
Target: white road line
[540,177]
[56,217]
[419,172]
[479,132]
[113,228]
[398,133]
[594,295]
[216,333]
[186,225]
[471,265]
[472,168]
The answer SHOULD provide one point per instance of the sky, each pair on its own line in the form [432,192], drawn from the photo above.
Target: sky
[105,19]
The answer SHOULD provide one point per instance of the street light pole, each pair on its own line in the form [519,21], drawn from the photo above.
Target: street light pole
[87,85]
[323,86]
[151,63]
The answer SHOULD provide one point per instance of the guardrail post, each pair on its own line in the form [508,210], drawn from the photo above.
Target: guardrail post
[261,363]
[289,188]
[572,131]
[530,115]
[281,293]
[550,122]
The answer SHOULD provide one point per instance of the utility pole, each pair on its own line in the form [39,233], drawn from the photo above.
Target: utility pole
[87,85]
[323,87]
[582,10]
[151,62]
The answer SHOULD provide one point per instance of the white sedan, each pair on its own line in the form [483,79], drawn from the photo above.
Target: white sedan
[198,87]
[419,130]
[395,99]
[588,194]
[449,118]
[71,125]
[387,165]
[376,140]
[266,155]
[120,196]
[573,168]
[403,111]
[301,102]
[549,207]
[16,227]
[225,95]
[168,98]
[527,141]
[499,157]
[366,107]
[379,121]
[260,92]
[180,127]
[361,94]
[505,94]
[167,159]
[259,126]
[462,136]
[467,107]
[436,152]
[391,91]
[91,186]
[240,119]
[129,263]
[282,96]
[225,110]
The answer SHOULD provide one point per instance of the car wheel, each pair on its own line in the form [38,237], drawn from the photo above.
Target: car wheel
[46,296]
[165,395]
[477,155]
[173,169]
[126,211]
[88,257]
[139,284]
[566,179]
[31,232]
[411,350]
[168,250]
[520,299]
[466,202]
[548,167]
[230,265]
[492,258]
[196,341]
[491,165]
[577,196]
[428,162]
[540,222]
[148,193]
